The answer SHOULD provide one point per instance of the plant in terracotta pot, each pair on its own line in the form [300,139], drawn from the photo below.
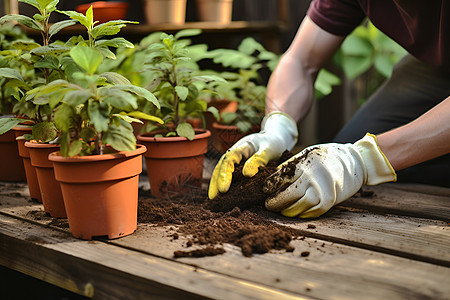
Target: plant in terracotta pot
[99,162]
[177,84]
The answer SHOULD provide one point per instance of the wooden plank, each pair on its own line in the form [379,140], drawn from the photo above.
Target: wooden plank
[104,271]
[330,271]
[422,239]
[370,276]
[419,239]
[407,200]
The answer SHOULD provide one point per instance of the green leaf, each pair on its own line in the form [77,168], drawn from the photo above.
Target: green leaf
[119,99]
[354,66]
[7,124]
[75,148]
[182,92]
[24,20]
[121,138]
[98,115]
[33,3]
[106,53]
[187,33]
[10,73]
[109,28]
[90,16]
[44,132]
[244,126]
[249,45]
[58,26]
[77,16]
[50,50]
[76,97]
[141,92]
[185,130]
[214,111]
[63,117]
[24,45]
[115,78]
[354,45]
[209,78]
[49,62]
[87,58]
[115,42]
[384,65]
[143,116]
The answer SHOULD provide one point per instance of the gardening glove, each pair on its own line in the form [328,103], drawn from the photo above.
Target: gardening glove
[278,134]
[310,183]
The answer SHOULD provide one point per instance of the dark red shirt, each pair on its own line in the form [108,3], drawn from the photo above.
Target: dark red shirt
[421,27]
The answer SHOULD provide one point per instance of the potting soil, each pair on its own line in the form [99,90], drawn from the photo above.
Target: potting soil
[237,217]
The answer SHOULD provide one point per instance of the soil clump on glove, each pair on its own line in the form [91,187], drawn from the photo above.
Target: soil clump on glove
[237,217]
[246,192]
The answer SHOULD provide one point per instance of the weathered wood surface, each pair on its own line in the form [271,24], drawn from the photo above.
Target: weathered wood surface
[355,252]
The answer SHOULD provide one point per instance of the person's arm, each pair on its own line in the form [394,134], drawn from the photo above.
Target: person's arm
[291,85]
[425,138]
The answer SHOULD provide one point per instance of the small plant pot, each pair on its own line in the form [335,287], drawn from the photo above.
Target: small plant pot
[174,164]
[219,11]
[165,11]
[100,192]
[50,190]
[225,136]
[30,170]
[11,165]
[105,11]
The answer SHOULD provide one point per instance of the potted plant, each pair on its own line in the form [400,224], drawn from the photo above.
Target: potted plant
[99,162]
[219,11]
[13,76]
[175,150]
[165,11]
[245,86]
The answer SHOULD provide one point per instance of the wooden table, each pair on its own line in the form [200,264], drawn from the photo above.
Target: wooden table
[393,245]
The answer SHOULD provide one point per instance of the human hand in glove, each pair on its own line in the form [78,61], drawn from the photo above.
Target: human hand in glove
[321,176]
[278,134]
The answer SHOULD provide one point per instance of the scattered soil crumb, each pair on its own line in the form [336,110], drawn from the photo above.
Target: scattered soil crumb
[311,226]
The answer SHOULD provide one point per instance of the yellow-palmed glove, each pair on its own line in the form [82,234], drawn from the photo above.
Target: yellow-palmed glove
[278,134]
[321,176]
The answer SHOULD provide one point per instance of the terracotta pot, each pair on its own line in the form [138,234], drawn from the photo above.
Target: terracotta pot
[225,136]
[174,164]
[165,11]
[219,11]
[11,165]
[100,192]
[30,170]
[50,190]
[105,11]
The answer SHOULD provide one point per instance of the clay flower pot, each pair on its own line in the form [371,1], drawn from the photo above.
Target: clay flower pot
[50,190]
[100,192]
[11,165]
[225,136]
[174,164]
[165,11]
[105,11]
[30,170]
[219,11]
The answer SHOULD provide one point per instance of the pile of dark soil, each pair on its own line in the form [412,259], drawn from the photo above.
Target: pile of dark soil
[237,217]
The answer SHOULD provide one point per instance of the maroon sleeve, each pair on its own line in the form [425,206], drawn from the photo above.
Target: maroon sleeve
[336,17]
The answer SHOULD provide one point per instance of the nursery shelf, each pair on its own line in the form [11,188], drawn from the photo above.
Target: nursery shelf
[394,244]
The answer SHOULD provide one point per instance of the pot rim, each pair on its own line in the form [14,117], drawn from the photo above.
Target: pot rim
[102,4]
[56,156]
[40,145]
[199,134]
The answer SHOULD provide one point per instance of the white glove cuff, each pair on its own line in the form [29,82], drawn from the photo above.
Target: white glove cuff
[281,124]
[378,167]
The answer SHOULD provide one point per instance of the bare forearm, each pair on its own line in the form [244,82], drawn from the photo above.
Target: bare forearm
[425,138]
[291,86]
